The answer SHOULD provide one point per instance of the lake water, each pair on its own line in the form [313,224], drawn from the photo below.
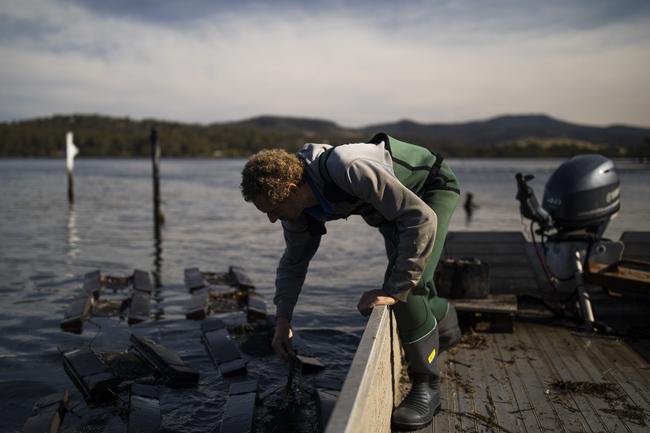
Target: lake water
[46,247]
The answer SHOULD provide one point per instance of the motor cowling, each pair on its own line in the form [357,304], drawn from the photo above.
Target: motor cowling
[583,193]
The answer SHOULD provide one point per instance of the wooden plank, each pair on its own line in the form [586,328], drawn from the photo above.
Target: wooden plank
[486,236]
[503,260]
[636,237]
[445,420]
[510,271]
[193,279]
[565,367]
[527,419]
[467,375]
[367,395]
[139,307]
[165,361]
[565,413]
[618,370]
[142,281]
[483,250]
[589,372]
[536,266]
[501,284]
[144,409]
[636,249]
[534,389]
[496,381]
[504,304]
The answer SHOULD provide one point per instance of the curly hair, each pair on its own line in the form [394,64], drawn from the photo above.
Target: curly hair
[268,173]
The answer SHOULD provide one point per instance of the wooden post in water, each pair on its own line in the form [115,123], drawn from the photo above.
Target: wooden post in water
[70,152]
[158,217]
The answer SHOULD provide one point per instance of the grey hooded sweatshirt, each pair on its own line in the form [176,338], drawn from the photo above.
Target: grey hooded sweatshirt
[365,171]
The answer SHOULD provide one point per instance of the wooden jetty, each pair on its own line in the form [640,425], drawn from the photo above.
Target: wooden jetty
[538,377]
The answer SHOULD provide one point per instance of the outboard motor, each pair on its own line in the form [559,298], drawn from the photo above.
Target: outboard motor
[580,199]
[583,194]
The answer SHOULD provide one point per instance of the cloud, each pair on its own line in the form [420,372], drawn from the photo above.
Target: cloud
[439,61]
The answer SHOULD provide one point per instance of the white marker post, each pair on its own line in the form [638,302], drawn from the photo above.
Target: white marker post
[70,151]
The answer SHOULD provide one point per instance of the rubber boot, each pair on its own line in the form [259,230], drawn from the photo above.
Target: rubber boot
[423,400]
[449,333]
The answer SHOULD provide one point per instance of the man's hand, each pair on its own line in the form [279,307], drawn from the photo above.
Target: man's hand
[282,338]
[371,299]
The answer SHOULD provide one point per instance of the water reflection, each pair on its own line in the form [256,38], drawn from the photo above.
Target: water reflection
[73,237]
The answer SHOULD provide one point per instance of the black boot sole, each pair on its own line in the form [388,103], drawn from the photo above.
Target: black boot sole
[411,427]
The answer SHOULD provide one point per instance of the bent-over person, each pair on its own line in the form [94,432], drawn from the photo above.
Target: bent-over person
[409,193]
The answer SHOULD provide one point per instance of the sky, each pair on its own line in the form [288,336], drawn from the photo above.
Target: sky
[355,63]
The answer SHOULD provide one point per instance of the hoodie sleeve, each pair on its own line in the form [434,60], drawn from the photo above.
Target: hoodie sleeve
[300,247]
[416,222]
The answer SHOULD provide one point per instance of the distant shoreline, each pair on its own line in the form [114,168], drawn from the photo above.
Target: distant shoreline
[513,136]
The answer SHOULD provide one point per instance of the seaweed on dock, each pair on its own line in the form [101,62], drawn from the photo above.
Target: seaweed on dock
[605,389]
[628,412]
[473,342]
[611,393]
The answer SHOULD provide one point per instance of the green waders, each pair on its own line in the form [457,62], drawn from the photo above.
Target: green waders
[417,319]
[426,323]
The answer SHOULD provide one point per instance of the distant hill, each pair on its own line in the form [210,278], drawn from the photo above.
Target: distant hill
[513,135]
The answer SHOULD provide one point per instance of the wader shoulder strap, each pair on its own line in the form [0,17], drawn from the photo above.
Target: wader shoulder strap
[434,179]
[331,191]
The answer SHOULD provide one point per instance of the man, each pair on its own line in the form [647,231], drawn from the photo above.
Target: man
[409,193]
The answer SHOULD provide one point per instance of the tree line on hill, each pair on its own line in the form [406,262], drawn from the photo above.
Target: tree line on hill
[505,136]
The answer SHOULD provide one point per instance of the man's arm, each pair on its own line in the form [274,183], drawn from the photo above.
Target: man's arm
[300,248]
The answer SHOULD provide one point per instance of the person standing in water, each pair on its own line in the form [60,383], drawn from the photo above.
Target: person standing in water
[469,207]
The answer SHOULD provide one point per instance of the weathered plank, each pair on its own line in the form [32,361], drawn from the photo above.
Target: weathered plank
[503,304]
[531,350]
[619,363]
[501,397]
[486,237]
[483,250]
[565,369]
[367,395]
[588,371]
